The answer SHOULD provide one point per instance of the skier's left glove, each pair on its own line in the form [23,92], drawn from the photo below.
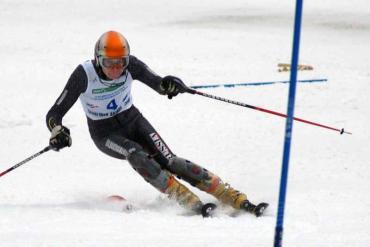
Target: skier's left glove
[60,138]
[172,86]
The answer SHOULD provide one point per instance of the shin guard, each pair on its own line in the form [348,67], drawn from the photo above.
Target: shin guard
[206,181]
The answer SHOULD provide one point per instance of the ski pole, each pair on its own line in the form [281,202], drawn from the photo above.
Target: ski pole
[192,91]
[26,160]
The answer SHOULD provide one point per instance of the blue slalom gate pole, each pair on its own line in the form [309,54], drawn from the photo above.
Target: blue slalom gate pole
[289,126]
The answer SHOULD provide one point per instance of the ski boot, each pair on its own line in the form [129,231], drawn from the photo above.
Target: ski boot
[228,195]
[183,195]
[188,199]
[238,200]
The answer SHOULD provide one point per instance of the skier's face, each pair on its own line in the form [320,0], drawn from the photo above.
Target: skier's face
[113,67]
[113,72]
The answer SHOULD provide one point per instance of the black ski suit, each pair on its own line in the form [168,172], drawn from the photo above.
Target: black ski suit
[128,135]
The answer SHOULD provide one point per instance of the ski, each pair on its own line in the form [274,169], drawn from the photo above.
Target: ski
[260,209]
[119,203]
[257,210]
[208,210]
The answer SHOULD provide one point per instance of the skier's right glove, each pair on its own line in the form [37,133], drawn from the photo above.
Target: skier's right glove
[60,138]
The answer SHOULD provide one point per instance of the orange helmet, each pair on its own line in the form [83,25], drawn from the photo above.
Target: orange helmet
[111,45]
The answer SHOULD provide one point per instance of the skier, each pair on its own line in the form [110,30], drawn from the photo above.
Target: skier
[119,130]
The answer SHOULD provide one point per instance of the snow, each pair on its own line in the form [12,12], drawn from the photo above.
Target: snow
[57,199]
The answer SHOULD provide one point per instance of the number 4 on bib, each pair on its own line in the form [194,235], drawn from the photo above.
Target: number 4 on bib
[112,105]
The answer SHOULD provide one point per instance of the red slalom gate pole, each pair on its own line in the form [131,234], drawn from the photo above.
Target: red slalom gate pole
[192,91]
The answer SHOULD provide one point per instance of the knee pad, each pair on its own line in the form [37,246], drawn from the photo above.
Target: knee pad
[149,169]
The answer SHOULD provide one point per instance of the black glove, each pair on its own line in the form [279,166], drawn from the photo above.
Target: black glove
[60,138]
[172,86]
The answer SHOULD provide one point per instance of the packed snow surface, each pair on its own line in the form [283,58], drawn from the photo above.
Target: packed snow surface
[57,199]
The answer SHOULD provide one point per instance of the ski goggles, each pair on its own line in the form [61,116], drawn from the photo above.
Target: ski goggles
[112,62]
